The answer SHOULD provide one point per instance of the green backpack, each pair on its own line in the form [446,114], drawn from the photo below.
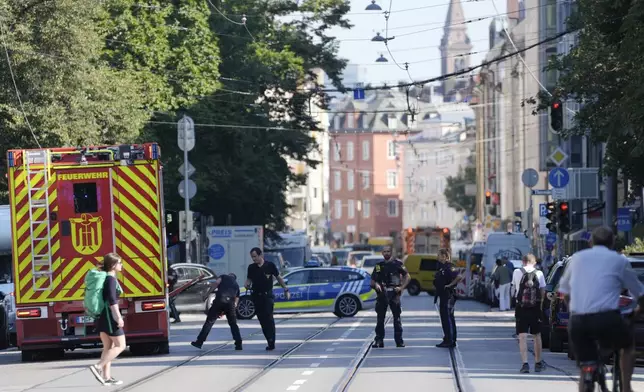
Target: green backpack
[93,300]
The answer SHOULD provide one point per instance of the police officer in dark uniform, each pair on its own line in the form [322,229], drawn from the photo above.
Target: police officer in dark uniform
[225,303]
[389,279]
[172,282]
[445,283]
[260,279]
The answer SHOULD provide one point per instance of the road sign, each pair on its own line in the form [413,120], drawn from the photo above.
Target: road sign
[542,192]
[558,156]
[559,193]
[530,177]
[192,189]
[543,209]
[186,134]
[558,177]
[358,94]
[624,222]
[190,172]
[543,221]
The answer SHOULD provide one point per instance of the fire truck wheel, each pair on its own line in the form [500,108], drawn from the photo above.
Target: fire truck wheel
[413,288]
[144,349]
[28,355]
[5,339]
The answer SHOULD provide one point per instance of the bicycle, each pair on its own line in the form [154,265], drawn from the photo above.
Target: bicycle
[595,371]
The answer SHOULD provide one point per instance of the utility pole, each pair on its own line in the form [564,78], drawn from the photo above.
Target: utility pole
[187,187]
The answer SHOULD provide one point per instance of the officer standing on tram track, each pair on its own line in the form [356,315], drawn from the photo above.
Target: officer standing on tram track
[389,279]
[445,283]
[260,279]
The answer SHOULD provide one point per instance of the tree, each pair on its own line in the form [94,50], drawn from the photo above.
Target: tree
[603,73]
[455,191]
[64,93]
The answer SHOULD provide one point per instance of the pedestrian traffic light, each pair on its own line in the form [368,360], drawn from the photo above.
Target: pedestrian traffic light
[488,195]
[551,215]
[556,115]
[563,217]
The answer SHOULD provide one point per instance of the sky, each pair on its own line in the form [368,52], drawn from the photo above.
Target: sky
[419,50]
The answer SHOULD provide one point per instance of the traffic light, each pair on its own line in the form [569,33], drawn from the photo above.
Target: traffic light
[563,217]
[551,215]
[446,233]
[488,195]
[556,115]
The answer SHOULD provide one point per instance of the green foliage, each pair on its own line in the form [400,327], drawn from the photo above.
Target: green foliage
[636,247]
[603,72]
[455,191]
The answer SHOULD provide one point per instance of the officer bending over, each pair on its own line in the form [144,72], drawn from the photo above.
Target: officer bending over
[225,303]
[260,278]
[389,279]
[445,283]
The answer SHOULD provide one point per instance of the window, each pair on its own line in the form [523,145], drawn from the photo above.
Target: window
[318,276]
[350,121]
[365,150]
[391,149]
[337,209]
[364,176]
[428,265]
[85,200]
[336,122]
[298,277]
[349,151]
[392,207]
[392,179]
[336,152]
[351,209]
[337,180]
[423,213]
[350,180]
[366,208]
[315,193]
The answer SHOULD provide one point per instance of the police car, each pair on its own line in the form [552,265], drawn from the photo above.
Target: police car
[341,290]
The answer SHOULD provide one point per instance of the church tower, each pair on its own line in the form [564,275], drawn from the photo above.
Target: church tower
[455,45]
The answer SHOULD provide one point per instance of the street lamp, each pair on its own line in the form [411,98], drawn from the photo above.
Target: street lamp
[382,59]
[373,6]
[378,38]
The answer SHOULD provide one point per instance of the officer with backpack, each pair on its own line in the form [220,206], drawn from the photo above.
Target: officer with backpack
[530,287]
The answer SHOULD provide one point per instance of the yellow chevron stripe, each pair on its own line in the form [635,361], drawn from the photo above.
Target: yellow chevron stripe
[134,209]
[149,236]
[150,176]
[129,257]
[134,177]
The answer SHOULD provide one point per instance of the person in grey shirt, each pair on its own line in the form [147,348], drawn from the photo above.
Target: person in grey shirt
[592,284]
[503,276]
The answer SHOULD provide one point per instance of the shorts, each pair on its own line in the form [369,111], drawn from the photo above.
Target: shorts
[106,325]
[528,320]
[607,328]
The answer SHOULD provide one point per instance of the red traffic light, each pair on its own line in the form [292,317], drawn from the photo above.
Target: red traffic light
[563,207]
[555,105]
[488,194]
[446,231]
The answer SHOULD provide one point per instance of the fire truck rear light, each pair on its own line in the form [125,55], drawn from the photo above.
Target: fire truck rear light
[28,313]
[149,306]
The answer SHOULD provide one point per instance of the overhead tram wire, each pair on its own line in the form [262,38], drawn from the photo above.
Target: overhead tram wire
[242,23]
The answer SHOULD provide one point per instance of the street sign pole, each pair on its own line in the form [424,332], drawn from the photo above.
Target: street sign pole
[530,178]
[186,142]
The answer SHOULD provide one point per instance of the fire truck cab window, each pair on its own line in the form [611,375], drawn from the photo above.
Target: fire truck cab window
[85,200]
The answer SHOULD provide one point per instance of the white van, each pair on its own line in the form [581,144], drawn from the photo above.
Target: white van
[512,246]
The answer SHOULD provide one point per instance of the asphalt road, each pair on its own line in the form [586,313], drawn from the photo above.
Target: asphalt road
[321,353]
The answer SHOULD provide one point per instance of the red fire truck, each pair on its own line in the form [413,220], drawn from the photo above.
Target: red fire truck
[70,207]
[426,240]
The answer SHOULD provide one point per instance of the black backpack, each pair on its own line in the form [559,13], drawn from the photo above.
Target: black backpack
[529,289]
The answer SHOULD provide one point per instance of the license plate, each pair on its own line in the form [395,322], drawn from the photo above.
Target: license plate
[84,320]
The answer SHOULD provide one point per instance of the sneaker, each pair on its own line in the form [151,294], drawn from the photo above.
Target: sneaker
[270,347]
[238,346]
[539,366]
[378,344]
[400,344]
[113,381]
[98,373]
[445,345]
[525,368]
[196,344]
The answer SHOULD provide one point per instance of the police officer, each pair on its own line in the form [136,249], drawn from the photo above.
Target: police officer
[445,283]
[172,282]
[225,303]
[389,279]
[260,279]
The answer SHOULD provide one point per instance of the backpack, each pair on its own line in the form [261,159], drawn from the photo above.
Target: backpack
[93,299]
[529,289]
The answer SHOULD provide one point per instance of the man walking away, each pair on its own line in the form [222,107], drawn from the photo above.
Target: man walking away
[260,278]
[530,284]
[172,282]
[225,302]
[502,275]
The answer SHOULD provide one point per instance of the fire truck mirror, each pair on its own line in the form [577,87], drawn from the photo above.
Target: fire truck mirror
[66,228]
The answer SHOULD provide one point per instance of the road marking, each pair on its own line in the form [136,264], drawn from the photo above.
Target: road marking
[307,372]
[335,343]
[299,382]
[314,365]
[330,349]
[293,388]
[324,356]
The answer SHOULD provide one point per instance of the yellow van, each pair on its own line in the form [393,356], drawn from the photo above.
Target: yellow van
[422,270]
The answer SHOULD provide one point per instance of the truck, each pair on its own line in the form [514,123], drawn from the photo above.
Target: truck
[69,207]
[229,248]
[427,240]
[293,245]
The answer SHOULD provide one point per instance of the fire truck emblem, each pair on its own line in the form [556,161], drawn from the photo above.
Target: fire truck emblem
[87,234]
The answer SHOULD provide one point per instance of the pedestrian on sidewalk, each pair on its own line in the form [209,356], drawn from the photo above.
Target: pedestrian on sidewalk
[260,278]
[110,322]
[531,285]
[173,278]
[225,302]
[445,282]
[502,276]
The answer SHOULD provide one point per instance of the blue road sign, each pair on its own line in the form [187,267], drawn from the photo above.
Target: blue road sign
[558,177]
[358,93]
[624,222]
[551,239]
[543,209]
[542,192]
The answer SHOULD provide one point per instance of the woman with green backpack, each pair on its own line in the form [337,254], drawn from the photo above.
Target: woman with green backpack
[109,321]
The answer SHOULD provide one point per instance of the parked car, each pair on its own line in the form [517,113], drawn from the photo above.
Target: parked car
[277,259]
[7,314]
[369,262]
[355,257]
[195,298]
[323,253]
[342,255]
[552,282]
[341,290]
[422,270]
